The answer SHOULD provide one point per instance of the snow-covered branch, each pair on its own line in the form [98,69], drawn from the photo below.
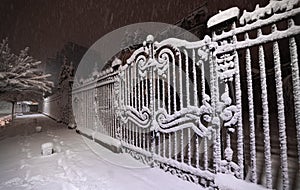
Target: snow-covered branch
[20,74]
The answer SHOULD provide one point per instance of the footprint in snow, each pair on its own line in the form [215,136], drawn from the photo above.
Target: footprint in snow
[72,173]
[28,172]
[24,165]
[25,149]
[69,186]
[14,181]
[57,149]
[26,144]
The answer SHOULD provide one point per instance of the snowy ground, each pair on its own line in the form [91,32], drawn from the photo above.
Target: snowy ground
[77,164]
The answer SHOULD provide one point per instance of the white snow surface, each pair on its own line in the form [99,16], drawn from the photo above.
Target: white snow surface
[101,137]
[77,162]
[229,182]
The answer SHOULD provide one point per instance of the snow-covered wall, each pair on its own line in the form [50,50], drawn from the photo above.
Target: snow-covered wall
[58,106]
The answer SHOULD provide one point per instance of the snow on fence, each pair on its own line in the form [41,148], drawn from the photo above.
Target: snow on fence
[164,108]
[229,103]
[263,49]
[93,105]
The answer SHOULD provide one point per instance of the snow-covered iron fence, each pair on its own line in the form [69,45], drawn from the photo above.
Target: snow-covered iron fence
[164,107]
[229,103]
[196,122]
[257,58]
[105,99]
[93,106]
[83,105]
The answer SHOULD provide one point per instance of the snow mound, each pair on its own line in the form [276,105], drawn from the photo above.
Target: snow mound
[105,140]
[47,148]
[38,129]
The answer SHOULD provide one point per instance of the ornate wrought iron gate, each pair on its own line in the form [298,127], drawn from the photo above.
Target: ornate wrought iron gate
[167,107]
[180,103]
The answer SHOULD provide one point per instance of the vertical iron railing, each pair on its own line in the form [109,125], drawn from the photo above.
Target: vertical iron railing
[263,59]
[93,105]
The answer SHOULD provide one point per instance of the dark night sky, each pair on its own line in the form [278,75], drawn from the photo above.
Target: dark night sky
[46,25]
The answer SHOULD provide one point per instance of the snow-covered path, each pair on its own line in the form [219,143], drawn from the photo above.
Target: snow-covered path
[78,163]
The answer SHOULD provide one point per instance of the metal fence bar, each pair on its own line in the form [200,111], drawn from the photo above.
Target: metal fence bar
[105,90]
[110,109]
[296,83]
[266,124]
[189,147]
[281,115]
[251,115]
[214,100]
[238,94]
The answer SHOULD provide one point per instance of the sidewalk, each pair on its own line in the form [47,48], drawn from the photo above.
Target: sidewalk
[78,163]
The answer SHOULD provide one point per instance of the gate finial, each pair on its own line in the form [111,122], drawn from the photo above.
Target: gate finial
[150,39]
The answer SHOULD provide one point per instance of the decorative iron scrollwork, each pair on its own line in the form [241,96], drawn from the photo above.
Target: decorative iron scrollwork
[203,53]
[226,67]
[140,118]
[227,112]
[229,115]
[190,117]
[143,65]
[150,56]
[230,167]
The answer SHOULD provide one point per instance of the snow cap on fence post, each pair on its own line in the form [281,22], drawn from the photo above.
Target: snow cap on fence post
[223,16]
[116,63]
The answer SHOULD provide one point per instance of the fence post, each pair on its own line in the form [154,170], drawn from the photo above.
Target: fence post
[149,43]
[226,70]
